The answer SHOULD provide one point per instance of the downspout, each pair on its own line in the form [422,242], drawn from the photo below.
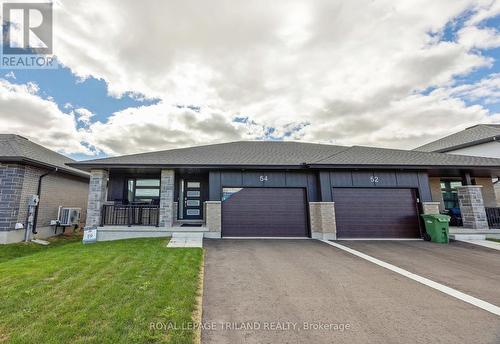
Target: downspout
[39,190]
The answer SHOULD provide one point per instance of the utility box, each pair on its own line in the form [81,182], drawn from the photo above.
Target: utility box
[89,235]
[33,201]
[69,216]
[437,226]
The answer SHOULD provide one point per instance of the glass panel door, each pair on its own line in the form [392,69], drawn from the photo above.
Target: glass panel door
[192,206]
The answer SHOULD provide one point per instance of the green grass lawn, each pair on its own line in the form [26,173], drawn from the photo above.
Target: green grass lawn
[12,251]
[497,240]
[109,292]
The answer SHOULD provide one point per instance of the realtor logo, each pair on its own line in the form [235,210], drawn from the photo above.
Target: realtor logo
[27,36]
[27,28]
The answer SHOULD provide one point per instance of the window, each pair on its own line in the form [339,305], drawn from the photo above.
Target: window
[450,193]
[193,203]
[192,212]
[143,190]
[147,182]
[228,192]
[193,194]
[193,185]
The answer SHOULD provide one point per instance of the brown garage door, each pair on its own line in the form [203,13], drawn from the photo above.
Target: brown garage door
[264,212]
[376,213]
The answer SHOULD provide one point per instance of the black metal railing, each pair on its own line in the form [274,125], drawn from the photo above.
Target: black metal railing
[493,216]
[130,215]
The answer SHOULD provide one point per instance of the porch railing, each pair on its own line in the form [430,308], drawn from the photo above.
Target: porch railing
[493,216]
[130,215]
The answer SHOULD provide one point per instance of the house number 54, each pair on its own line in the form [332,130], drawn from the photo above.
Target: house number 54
[374,179]
[263,178]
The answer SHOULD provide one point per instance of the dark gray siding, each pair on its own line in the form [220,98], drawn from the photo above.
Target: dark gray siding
[424,187]
[220,179]
[319,184]
[214,182]
[116,187]
[375,179]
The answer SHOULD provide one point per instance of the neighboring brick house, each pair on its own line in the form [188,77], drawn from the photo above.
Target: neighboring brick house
[482,140]
[22,162]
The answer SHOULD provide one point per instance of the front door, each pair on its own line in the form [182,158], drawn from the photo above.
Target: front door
[193,206]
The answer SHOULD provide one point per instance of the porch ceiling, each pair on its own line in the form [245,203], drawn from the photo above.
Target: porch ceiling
[151,170]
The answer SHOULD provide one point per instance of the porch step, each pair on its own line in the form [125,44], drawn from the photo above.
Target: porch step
[191,235]
[186,239]
[189,221]
[468,236]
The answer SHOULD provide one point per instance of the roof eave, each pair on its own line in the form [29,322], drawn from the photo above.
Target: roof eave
[27,161]
[88,167]
[404,167]
[466,145]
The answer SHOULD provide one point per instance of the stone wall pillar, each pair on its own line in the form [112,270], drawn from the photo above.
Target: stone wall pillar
[98,192]
[471,202]
[431,207]
[213,215]
[167,198]
[322,220]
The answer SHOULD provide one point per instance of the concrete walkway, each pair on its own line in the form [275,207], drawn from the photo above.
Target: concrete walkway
[305,291]
[186,239]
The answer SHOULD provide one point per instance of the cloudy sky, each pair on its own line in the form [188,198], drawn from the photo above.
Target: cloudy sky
[147,75]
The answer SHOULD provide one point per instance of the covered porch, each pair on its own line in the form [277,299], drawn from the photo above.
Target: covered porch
[150,202]
[469,198]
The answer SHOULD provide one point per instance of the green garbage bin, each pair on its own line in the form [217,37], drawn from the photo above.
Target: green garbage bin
[437,226]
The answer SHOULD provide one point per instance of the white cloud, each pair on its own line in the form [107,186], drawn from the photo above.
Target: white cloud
[163,126]
[483,11]
[83,115]
[474,37]
[343,72]
[486,90]
[25,113]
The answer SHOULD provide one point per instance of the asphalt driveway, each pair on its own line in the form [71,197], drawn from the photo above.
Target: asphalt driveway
[300,291]
[469,268]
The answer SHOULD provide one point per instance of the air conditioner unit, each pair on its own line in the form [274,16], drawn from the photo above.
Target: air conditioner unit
[69,216]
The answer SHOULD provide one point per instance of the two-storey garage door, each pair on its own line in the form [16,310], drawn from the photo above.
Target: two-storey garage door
[376,213]
[262,212]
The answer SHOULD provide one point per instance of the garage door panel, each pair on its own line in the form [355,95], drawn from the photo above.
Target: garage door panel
[265,212]
[376,213]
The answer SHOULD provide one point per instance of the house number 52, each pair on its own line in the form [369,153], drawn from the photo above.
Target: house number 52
[374,179]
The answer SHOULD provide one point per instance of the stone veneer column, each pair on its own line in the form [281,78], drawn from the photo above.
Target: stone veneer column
[98,191]
[471,202]
[213,215]
[167,198]
[430,207]
[322,217]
